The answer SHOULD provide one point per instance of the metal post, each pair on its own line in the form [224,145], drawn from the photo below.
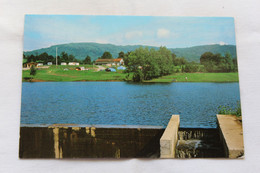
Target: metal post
[56,57]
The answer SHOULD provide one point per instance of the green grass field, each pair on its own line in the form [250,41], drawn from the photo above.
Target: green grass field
[198,77]
[59,74]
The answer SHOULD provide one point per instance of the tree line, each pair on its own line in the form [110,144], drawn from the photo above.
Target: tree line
[146,64]
[64,57]
[218,63]
[45,58]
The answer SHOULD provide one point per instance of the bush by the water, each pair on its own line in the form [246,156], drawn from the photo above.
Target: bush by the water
[227,110]
[33,70]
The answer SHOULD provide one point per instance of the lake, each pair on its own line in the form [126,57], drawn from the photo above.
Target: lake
[122,103]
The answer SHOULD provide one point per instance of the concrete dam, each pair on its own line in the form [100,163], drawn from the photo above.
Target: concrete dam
[84,141]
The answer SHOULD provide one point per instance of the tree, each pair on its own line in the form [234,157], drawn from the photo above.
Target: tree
[51,59]
[121,55]
[173,57]
[71,58]
[33,70]
[229,62]
[191,67]
[179,61]
[147,64]
[165,61]
[206,57]
[43,57]
[106,55]
[87,60]
[217,63]
[126,60]
[64,57]
[31,58]
[235,64]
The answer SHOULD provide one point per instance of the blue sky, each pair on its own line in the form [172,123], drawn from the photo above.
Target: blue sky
[42,31]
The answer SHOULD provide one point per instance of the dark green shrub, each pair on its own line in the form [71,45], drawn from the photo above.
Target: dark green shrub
[227,110]
[33,70]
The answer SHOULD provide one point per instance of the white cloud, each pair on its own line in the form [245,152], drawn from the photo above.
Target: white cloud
[133,34]
[163,33]
[102,41]
[222,43]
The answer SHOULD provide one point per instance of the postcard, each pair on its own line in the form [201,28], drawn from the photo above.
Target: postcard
[130,87]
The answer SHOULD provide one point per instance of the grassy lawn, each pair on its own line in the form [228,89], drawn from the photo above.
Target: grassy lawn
[198,77]
[59,74]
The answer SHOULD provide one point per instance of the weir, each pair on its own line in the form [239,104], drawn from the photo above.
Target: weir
[199,143]
[225,141]
[88,141]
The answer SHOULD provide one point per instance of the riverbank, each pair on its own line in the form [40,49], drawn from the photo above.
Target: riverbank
[198,77]
[67,74]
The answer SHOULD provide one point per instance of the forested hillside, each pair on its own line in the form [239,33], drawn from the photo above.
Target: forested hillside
[95,50]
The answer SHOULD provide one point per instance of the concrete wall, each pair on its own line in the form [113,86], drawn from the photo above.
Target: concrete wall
[64,141]
[36,142]
[170,137]
[82,141]
[231,135]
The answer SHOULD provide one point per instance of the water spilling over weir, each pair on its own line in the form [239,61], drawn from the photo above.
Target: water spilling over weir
[198,143]
[87,141]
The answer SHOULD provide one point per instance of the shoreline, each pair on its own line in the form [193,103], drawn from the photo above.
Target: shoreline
[38,80]
[43,76]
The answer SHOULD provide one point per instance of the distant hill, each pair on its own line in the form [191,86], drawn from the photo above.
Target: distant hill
[194,53]
[95,50]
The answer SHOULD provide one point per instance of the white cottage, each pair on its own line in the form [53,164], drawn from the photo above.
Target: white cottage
[119,61]
[110,62]
[73,63]
[39,64]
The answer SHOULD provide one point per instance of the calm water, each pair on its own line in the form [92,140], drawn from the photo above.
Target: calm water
[121,103]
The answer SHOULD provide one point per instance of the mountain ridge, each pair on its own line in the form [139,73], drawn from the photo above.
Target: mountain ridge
[95,50]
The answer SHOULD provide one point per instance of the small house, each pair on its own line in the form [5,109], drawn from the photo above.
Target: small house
[39,64]
[63,63]
[30,64]
[107,62]
[73,63]
[49,63]
[119,61]
[110,62]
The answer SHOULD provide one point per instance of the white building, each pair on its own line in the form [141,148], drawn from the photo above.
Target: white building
[39,64]
[119,61]
[63,63]
[49,63]
[73,63]
[110,62]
